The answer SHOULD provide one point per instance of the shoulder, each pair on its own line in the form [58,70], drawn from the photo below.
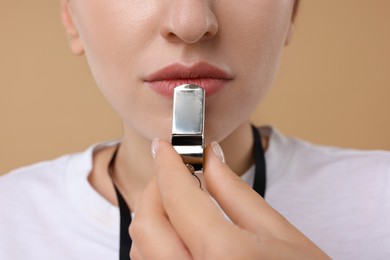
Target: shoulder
[306,155]
[50,201]
[29,186]
[46,187]
[31,194]
[343,160]
[48,176]
[334,195]
[36,173]
[343,180]
[304,168]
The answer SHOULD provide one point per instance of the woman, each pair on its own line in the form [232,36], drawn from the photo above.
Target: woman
[138,51]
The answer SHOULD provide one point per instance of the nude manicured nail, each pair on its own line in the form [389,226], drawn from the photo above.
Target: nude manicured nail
[218,151]
[155,146]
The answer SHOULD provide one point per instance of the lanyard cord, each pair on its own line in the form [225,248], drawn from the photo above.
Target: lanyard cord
[260,181]
[125,215]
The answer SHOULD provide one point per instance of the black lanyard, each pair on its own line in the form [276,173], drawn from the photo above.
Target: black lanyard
[125,215]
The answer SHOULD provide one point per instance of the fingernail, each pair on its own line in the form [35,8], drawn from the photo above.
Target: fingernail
[218,151]
[155,146]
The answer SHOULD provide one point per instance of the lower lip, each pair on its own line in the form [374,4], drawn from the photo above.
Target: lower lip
[166,87]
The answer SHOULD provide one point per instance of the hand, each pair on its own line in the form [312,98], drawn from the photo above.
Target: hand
[177,220]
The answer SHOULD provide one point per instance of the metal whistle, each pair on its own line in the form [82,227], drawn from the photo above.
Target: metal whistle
[188,124]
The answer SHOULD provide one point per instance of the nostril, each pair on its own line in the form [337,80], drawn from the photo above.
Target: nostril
[188,37]
[208,35]
[170,36]
[212,28]
[189,23]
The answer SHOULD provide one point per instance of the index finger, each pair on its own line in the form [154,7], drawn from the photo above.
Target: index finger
[152,234]
[190,210]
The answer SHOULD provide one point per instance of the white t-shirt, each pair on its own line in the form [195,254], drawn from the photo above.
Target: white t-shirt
[339,198]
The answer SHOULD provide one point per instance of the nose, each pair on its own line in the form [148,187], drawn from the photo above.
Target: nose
[189,21]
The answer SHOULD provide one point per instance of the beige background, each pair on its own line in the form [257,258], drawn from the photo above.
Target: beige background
[333,87]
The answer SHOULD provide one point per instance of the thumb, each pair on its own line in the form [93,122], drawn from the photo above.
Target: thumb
[244,206]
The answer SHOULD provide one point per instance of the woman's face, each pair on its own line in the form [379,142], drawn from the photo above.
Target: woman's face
[138,50]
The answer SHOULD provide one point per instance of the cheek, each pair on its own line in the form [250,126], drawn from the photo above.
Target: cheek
[115,35]
[253,43]
[263,38]
[259,36]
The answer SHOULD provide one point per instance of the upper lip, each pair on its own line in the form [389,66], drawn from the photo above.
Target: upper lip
[200,70]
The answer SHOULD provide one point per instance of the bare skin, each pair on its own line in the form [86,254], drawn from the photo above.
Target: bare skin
[136,183]
[123,47]
[125,43]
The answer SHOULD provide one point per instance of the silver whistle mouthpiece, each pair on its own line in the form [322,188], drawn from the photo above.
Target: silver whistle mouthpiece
[188,124]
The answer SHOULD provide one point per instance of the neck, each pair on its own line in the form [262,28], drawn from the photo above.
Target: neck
[238,149]
[133,167]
